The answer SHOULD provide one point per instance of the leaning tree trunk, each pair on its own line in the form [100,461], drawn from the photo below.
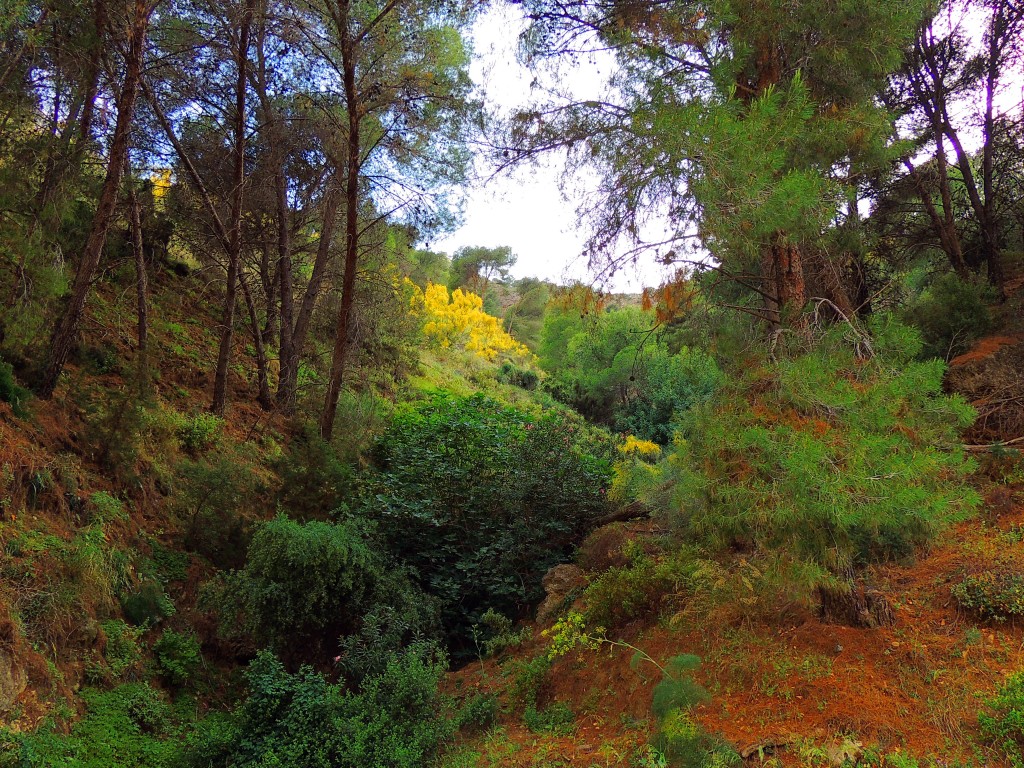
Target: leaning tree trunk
[351,239]
[66,333]
[220,380]
[141,290]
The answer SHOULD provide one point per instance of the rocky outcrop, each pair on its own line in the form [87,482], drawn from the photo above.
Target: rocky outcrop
[559,583]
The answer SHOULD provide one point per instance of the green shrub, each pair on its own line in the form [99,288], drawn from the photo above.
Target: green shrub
[1002,721]
[148,605]
[481,500]
[556,718]
[992,594]
[528,678]
[641,588]
[200,432]
[679,737]
[677,689]
[122,651]
[685,744]
[496,633]
[395,720]
[826,459]
[11,392]
[126,727]
[213,496]
[303,586]
[510,373]
[165,564]
[101,358]
[951,314]
[611,367]
[107,508]
[314,480]
[478,712]
[177,656]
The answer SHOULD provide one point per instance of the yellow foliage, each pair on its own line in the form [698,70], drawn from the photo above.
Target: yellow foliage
[635,471]
[161,181]
[459,321]
[637,447]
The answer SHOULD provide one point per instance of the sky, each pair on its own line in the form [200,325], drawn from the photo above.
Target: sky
[527,210]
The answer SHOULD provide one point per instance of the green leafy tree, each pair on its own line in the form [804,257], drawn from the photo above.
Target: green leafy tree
[475,267]
[823,462]
[616,368]
[300,720]
[481,499]
[752,120]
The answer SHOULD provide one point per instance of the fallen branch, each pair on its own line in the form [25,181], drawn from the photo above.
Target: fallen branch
[629,512]
[1000,444]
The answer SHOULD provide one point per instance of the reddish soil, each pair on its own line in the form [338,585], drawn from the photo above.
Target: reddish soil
[985,348]
[915,687]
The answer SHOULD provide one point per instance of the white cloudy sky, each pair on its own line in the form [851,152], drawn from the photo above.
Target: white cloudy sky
[528,209]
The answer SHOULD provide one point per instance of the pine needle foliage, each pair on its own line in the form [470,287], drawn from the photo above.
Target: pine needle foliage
[832,460]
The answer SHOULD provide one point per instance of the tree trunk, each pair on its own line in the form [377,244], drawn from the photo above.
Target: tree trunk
[141,288]
[284,271]
[945,228]
[264,398]
[268,277]
[66,333]
[341,331]
[220,381]
[782,274]
[287,386]
[854,604]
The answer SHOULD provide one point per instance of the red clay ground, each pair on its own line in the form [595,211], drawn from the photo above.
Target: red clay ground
[914,687]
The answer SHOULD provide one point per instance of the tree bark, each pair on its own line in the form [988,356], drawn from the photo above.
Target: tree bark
[264,398]
[288,384]
[220,380]
[66,333]
[141,287]
[782,273]
[341,331]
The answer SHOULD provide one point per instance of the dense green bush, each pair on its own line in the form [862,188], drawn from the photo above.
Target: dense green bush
[1002,721]
[951,314]
[479,711]
[509,373]
[148,605]
[303,584]
[177,656]
[395,720]
[214,496]
[200,432]
[992,594]
[122,651]
[825,458]
[624,593]
[481,499]
[611,367]
[127,727]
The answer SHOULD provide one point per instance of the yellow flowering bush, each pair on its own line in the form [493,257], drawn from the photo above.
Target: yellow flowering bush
[458,320]
[635,470]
